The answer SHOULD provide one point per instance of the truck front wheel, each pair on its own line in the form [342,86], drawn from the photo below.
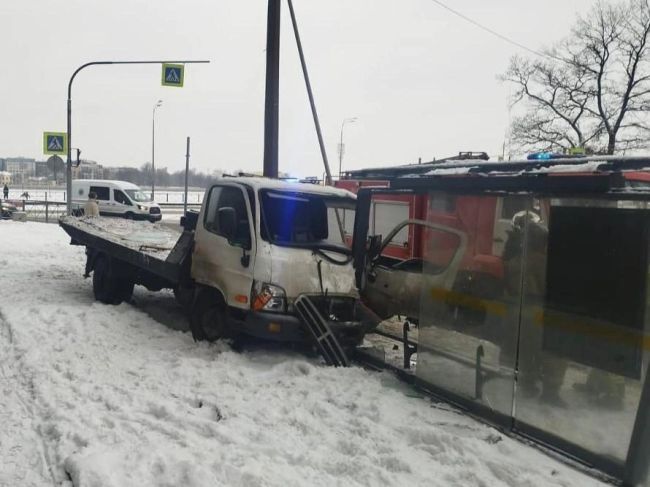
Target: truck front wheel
[208,316]
[108,288]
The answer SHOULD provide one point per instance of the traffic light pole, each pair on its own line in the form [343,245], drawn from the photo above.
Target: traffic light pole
[69,131]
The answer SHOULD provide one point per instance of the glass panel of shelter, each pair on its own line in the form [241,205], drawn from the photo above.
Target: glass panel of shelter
[583,350]
[469,303]
[550,325]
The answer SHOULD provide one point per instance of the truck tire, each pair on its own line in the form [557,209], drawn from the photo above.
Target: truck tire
[184,296]
[108,288]
[208,316]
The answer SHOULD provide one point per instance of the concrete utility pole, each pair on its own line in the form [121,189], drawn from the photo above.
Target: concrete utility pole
[271,131]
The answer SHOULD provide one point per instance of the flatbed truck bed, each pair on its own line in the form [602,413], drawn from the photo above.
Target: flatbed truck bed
[158,254]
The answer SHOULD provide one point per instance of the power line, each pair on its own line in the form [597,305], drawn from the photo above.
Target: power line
[487,29]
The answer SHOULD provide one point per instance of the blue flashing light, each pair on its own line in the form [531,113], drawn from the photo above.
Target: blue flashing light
[543,156]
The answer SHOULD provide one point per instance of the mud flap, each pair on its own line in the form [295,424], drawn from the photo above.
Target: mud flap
[321,333]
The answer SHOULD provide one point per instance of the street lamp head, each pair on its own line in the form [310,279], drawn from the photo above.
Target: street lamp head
[159,103]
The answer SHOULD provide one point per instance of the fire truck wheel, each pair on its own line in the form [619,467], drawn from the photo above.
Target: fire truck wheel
[208,316]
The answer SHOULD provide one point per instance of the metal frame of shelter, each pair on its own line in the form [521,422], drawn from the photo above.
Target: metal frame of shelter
[603,179]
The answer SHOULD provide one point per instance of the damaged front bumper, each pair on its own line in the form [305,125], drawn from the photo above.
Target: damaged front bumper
[347,317]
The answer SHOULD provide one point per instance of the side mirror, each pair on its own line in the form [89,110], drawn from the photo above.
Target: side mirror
[227,218]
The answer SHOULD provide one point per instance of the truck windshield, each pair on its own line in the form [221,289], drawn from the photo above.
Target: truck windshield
[306,220]
[137,195]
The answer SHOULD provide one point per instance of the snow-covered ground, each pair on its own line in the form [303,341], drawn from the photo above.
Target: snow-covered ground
[122,396]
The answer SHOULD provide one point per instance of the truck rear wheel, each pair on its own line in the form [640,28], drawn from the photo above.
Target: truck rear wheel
[108,288]
[208,317]
[184,296]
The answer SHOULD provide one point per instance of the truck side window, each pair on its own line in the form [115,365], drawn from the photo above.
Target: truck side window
[102,192]
[121,197]
[228,197]
[210,219]
[234,198]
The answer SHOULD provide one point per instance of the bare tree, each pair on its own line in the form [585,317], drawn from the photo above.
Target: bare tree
[592,90]
[556,99]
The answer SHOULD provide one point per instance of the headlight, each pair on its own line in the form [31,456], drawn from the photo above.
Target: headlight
[268,297]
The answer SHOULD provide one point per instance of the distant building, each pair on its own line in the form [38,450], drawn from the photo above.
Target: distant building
[20,168]
[88,170]
[5,178]
[42,171]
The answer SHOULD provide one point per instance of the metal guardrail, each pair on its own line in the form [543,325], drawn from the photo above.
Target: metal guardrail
[50,211]
[37,210]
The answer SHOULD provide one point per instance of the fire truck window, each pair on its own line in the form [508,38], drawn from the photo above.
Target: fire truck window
[512,205]
[387,216]
[443,202]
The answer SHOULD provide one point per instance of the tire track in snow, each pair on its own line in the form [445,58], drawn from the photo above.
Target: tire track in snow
[15,386]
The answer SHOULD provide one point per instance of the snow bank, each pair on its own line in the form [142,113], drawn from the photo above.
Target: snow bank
[109,396]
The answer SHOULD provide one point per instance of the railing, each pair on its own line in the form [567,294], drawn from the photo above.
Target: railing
[42,211]
[50,211]
[58,195]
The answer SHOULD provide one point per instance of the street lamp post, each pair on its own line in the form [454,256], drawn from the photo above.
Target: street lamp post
[153,148]
[69,114]
[341,146]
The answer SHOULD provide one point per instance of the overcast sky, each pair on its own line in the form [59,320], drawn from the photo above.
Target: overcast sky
[422,82]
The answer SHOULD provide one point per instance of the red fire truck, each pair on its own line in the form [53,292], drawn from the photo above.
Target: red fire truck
[486,222]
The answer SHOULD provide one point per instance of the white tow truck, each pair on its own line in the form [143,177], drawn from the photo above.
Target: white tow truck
[263,257]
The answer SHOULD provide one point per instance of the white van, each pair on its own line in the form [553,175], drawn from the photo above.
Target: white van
[115,198]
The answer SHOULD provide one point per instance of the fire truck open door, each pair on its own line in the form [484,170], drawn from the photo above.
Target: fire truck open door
[393,287]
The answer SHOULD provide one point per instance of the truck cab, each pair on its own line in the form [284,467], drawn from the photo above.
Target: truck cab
[259,244]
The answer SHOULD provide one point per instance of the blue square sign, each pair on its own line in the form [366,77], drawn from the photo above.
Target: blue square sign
[172,75]
[55,143]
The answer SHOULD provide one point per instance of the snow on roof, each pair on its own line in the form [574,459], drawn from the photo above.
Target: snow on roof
[153,239]
[589,166]
[462,167]
[278,184]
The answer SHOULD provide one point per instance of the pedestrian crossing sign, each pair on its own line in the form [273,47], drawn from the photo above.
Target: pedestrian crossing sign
[172,74]
[55,143]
